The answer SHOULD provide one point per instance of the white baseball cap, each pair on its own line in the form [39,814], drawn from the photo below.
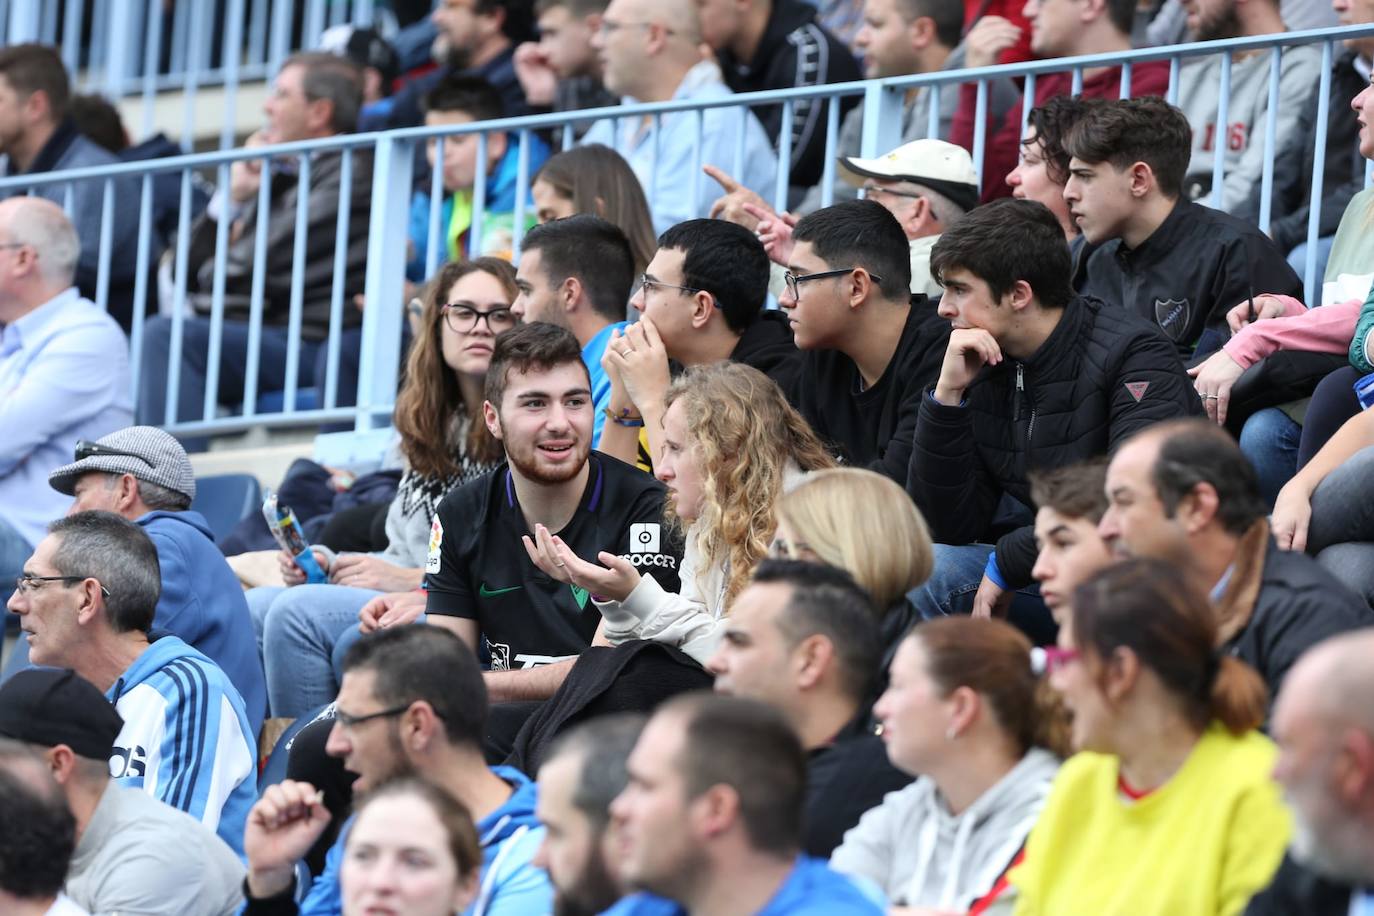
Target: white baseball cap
[943,167]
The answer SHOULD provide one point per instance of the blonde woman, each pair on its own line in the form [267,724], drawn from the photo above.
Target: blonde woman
[863,523]
[731,446]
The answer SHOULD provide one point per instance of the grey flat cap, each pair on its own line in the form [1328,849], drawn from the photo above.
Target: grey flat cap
[150,454]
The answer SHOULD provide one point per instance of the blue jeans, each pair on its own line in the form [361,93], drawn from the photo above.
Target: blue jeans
[954,583]
[233,360]
[1341,532]
[297,630]
[1297,259]
[1270,440]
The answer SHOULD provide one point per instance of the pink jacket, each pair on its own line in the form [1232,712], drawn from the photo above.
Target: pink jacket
[1327,329]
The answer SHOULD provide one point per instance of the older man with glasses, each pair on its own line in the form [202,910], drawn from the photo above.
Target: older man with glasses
[86,599]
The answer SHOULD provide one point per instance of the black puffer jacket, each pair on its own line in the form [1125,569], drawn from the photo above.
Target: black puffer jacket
[1102,374]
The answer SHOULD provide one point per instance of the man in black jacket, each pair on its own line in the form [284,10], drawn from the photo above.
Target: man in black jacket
[871,346]
[804,639]
[1033,378]
[1185,493]
[316,95]
[702,300]
[1175,263]
[777,44]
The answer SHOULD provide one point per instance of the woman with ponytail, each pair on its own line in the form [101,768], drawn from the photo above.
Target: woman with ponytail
[731,445]
[965,709]
[1169,808]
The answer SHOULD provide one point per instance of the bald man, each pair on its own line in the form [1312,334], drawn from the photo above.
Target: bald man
[650,51]
[1324,725]
[64,372]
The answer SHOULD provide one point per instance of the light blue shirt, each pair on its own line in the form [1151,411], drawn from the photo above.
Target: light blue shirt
[64,376]
[601,382]
[665,165]
[1362,903]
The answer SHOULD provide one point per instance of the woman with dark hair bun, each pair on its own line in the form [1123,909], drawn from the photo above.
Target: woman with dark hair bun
[1169,808]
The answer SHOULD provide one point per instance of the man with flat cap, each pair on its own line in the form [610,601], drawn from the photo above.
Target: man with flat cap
[134,854]
[143,474]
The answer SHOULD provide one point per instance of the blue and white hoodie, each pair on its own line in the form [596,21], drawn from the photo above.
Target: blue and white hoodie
[186,739]
[511,885]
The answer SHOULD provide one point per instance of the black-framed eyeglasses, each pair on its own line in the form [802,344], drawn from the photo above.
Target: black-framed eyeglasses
[85,448]
[870,190]
[25,584]
[794,281]
[464,318]
[348,721]
[649,284]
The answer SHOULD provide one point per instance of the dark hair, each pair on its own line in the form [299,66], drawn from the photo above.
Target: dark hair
[601,747]
[1074,490]
[30,68]
[1052,121]
[750,747]
[993,659]
[98,120]
[119,555]
[1197,451]
[39,838]
[1146,606]
[1122,132]
[598,180]
[470,95]
[948,16]
[518,23]
[430,398]
[1005,241]
[577,8]
[430,664]
[726,260]
[1121,13]
[336,80]
[538,346]
[454,817]
[594,251]
[826,601]
[861,233]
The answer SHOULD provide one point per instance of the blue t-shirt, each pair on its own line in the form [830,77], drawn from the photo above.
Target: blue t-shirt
[601,383]
[812,888]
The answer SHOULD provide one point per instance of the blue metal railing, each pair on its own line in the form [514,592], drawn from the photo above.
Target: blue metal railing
[394,153]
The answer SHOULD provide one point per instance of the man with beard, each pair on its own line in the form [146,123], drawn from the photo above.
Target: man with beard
[1240,141]
[1324,725]
[582,775]
[411,702]
[479,582]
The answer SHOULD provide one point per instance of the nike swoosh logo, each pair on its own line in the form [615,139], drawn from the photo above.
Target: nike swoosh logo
[493,592]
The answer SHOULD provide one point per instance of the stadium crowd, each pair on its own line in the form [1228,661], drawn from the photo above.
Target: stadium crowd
[1018,562]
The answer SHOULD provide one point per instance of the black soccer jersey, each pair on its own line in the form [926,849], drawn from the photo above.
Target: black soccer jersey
[478,568]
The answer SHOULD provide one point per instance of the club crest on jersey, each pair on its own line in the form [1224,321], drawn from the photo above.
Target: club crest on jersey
[1174,316]
[1137,389]
[436,541]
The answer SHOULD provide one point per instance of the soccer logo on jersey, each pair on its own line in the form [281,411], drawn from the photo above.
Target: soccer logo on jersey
[644,537]
[436,541]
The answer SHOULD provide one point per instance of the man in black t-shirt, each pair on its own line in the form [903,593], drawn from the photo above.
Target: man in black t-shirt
[479,578]
[772,635]
[871,347]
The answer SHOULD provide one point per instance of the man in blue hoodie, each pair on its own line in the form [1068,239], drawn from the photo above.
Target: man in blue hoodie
[143,474]
[711,820]
[86,600]
[412,701]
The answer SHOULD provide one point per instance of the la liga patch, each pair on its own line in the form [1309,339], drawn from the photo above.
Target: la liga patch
[436,541]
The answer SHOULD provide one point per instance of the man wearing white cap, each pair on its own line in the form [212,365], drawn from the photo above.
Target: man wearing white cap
[143,474]
[925,184]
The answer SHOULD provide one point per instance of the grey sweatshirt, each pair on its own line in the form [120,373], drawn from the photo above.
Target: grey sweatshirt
[920,854]
[1243,139]
[140,857]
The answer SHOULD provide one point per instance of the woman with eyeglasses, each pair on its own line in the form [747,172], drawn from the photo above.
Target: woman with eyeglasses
[864,523]
[1168,808]
[966,710]
[411,850]
[444,443]
[731,446]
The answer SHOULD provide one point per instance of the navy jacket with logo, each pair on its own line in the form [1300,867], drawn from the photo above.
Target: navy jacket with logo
[1102,375]
[1185,277]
